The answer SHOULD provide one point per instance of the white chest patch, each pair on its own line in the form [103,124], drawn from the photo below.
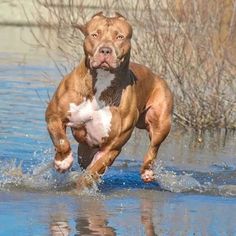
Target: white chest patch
[96,120]
[99,127]
[82,113]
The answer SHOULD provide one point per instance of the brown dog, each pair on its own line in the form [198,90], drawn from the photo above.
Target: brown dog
[104,98]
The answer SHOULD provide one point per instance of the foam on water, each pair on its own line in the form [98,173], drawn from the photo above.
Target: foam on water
[43,178]
[173,182]
[212,182]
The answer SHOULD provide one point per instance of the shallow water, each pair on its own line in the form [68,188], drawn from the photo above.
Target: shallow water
[194,192]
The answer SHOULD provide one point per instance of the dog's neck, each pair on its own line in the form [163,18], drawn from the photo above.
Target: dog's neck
[108,86]
[102,81]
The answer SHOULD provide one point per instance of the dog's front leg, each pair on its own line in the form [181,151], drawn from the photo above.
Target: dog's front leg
[57,130]
[102,160]
[121,131]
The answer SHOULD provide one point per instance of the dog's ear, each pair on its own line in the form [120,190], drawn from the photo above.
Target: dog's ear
[118,15]
[81,27]
[97,14]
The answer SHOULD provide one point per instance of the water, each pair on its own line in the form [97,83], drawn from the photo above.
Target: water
[194,192]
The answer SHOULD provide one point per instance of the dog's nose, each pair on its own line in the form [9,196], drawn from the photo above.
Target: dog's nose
[105,50]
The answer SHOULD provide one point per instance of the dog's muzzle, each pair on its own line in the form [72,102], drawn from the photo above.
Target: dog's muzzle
[105,57]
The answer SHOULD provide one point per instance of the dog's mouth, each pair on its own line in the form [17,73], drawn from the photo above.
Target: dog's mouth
[106,66]
[105,57]
[105,63]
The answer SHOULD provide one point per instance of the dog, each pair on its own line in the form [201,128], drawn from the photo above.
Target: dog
[103,99]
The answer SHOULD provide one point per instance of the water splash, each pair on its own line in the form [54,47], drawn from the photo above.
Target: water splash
[10,173]
[174,182]
[40,177]
[212,182]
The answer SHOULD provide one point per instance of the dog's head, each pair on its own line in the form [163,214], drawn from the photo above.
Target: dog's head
[107,41]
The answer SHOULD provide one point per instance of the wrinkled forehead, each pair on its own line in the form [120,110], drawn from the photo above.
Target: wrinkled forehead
[114,24]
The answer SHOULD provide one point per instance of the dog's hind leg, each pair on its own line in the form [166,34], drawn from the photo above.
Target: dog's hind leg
[158,124]
[158,131]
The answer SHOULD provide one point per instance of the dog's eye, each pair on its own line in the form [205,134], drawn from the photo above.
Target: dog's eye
[94,35]
[120,37]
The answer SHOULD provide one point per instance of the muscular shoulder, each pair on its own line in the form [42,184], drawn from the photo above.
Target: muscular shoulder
[142,72]
[69,90]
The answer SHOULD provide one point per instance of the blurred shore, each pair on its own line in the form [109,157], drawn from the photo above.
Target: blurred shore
[25,12]
[13,13]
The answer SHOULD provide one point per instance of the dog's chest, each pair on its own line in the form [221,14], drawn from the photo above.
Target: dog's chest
[94,115]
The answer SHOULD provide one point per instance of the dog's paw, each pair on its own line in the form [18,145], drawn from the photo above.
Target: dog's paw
[148,176]
[64,165]
[85,181]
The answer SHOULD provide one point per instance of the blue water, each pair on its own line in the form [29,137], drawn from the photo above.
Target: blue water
[194,192]
[129,213]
